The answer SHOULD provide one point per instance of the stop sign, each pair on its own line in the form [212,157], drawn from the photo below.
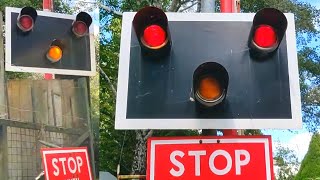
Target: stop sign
[203,158]
[66,163]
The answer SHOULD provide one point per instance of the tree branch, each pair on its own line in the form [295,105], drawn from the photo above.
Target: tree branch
[188,7]
[186,1]
[173,6]
[148,135]
[313,97]
[199,6]
[138,134]
[108,81]
[107,8]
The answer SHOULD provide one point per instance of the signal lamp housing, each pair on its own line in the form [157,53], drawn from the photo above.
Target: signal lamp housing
[267,31]
[210,84]
[55,51]
[27,19]
[80,26]
[152,30]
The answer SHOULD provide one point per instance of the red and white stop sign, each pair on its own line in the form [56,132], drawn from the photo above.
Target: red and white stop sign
[203,158]
[66,163]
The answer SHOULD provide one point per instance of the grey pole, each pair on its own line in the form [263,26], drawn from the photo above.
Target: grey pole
[207,6]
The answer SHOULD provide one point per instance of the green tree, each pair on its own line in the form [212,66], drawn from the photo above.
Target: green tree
[287,163]
[60,6]
[310,165]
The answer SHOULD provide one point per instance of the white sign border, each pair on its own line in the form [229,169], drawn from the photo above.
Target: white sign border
[10,67]
[121,121]
[58,151]
[155,142]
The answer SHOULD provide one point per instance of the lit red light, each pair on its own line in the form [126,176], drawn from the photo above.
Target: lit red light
[154,36]
[265,36]
[80,28]
[26,23]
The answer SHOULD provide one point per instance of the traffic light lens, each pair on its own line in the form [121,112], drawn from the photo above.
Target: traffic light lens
[80,28]
[26,22]
[209,88]
[265,36]
[54,54]
[154,36]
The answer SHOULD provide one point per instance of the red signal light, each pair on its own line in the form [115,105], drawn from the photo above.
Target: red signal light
[26,19]
[79,28]
[25,23]
[154,36]
[265,36]
[152,30]
[268,28]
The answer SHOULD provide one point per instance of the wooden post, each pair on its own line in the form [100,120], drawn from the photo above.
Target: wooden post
[3,112]
[84,84]
[3,152]
[3,109]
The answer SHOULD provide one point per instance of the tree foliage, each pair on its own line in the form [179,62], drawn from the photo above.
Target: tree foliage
[310,165]
[286,162]
[59,6]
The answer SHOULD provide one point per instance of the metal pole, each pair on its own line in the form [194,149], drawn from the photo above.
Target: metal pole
[207,6]
[226,6]
[230,6]
[47,5]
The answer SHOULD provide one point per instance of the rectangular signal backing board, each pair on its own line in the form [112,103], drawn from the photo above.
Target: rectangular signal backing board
[27,53]
[157,94]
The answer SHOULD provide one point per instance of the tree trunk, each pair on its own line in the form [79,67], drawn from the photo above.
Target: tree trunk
[140,154]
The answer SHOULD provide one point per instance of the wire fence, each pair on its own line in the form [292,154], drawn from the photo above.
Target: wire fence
[44,112]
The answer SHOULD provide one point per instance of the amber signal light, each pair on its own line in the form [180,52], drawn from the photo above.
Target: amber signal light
[55,51]
[210,83]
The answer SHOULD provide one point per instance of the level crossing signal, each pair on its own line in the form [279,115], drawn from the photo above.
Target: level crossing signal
[46,42]
[200,71]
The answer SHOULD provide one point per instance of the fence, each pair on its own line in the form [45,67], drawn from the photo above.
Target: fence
[55,111]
